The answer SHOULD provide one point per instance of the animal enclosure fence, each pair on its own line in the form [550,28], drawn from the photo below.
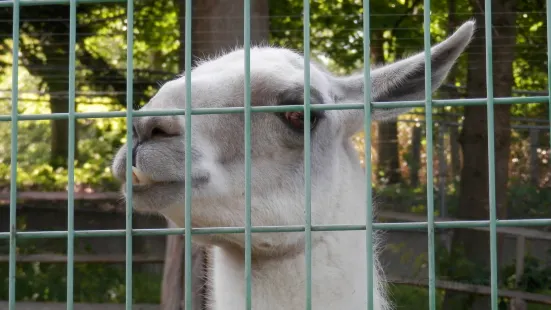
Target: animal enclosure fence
[430,224]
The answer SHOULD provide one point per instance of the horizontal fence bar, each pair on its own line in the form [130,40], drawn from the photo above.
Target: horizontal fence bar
[275,229]
[52,258]
[55,2]
[282,108]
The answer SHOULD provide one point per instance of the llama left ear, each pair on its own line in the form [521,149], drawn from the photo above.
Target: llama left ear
[403,80]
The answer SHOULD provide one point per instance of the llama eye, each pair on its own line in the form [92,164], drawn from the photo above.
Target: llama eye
[296,120]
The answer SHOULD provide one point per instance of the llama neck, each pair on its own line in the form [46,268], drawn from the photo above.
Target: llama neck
[338,276]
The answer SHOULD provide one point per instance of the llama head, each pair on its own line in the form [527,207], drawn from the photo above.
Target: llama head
[277,142]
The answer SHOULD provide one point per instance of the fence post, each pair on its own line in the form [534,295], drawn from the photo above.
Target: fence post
[517,303]
[416,156]
[442,169]
[454,150]
[534,137]
[442,172]
[172,286]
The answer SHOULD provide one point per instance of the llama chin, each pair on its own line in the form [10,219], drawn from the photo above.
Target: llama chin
[338,191]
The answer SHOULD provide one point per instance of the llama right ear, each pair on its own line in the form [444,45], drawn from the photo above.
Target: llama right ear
[403,80]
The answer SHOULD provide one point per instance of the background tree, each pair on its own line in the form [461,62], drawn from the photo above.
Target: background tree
[474,192]
[520,69]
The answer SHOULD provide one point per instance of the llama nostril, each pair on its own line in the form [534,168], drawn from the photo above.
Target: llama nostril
[158,132]
[155,127]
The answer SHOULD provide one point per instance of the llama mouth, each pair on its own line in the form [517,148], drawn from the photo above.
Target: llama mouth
[141,182]
[140,178]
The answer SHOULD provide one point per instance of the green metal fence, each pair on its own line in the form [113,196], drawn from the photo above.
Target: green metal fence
[430,225]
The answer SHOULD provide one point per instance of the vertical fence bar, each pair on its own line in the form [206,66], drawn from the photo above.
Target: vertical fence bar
[491,152]
[13,160]
[548,18]
[430,160]
[247,90]
[129,164]
[367,153]
[71,156]
[188,185]
[307,163]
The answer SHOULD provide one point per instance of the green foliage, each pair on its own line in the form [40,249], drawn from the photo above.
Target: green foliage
[412,297]
[524,200]
[94,283]
[97,138]
[536,276]
[454,266]
[528,201]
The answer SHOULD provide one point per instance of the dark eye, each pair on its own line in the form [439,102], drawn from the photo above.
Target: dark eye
[296,120]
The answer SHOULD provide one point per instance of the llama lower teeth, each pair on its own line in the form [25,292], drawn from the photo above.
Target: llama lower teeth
[139,178]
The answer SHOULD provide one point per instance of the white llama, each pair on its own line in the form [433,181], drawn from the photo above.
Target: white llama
[218,172]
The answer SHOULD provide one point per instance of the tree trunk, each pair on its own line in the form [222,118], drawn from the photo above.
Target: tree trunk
[388,166]
[59,103]
[217,26]
[60,128]
[473,201]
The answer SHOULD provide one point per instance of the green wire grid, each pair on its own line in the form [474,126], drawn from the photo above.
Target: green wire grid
[491,153]
[247,92]
[370,272]
[13,162]
[429,150]
[10,3]
[129,146]
[187,161]
[307,156]
[430,225]
[71,156]
[282,108]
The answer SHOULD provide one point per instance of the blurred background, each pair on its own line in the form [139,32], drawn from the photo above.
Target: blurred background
[522,143]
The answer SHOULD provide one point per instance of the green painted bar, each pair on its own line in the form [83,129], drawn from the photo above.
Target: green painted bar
[307,156]
[548,18]
[9,3]
[429,154]
[283,108]
[129,146]
[370,274]
[272,229]
[71,156]
[187,160]
[491,152]
[13,162]
[247,91]
[430,225]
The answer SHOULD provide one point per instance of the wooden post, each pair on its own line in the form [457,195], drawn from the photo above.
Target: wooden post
[455,153]
[442,170]
[442,173]
[416,156]
[534,137]
[517,303]
[172,288]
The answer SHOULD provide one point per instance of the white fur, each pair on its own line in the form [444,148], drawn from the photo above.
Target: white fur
[338,193]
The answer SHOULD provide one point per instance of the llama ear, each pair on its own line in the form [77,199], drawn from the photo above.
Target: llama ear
[403,80]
